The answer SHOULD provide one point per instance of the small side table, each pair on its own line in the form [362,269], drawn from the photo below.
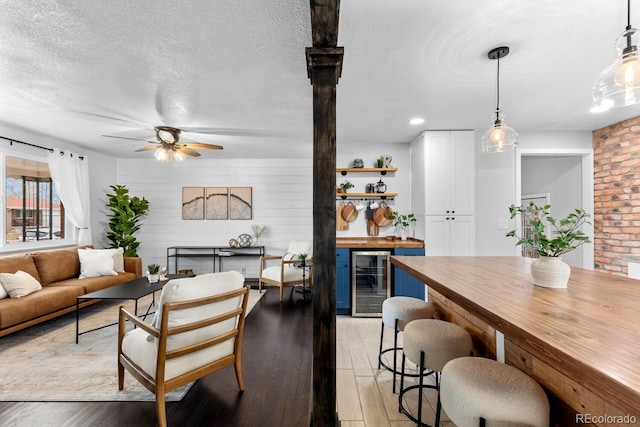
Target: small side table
[305,266]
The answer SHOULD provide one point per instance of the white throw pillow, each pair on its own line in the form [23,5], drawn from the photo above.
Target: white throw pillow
[19,284]
[95,263]
[3,293]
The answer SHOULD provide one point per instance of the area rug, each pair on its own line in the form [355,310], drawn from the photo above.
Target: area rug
[44,364]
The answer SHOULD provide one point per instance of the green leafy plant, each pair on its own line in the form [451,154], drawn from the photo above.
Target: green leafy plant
[346,185]
[124,219]
[153,268]
[566,234]
[303,255]
[403,220]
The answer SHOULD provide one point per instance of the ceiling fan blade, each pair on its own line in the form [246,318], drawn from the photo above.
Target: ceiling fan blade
[202,145]
[188,151]
[228,131]
[147,148]
[133,139]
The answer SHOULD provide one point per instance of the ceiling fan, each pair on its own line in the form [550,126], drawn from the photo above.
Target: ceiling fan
[168,146]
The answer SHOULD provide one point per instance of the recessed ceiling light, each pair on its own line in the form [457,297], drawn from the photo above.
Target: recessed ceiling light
[416,121]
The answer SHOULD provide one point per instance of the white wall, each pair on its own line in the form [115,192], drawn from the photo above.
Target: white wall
[102,171]
[397,182]
[282,200]
[496,181]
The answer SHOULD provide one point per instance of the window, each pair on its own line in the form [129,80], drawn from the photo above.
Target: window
[33,211]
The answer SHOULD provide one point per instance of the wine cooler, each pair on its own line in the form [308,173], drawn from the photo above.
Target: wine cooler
[370,282]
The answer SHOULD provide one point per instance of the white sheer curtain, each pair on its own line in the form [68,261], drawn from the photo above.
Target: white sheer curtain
[71,177]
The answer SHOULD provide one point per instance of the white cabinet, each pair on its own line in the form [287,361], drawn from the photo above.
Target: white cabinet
[443,191]
[449,235]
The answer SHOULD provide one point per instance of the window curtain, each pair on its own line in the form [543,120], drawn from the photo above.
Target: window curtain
[70,175]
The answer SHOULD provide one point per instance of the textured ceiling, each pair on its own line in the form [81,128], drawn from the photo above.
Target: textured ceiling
[80,70]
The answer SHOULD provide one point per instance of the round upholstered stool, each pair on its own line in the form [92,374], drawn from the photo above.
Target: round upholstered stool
[430,344]
[396,313]
[475,391]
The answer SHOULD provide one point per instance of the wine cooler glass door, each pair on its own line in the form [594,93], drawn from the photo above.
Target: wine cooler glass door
[370,282]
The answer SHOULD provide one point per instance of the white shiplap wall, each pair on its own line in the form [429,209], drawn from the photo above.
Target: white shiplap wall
[282,200]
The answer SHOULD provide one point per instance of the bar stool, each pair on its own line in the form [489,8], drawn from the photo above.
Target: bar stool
[478,391]
[430,344]
[396,313]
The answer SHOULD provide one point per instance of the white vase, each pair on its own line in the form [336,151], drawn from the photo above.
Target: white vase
[153,278]
[550,272]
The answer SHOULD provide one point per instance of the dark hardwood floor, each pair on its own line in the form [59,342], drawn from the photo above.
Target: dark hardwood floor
[276,362]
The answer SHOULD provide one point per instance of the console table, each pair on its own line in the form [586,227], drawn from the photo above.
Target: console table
[215,253]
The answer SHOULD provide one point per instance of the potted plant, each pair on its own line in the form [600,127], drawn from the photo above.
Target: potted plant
[565,235]
[380,161]
[344,187]
[403,223]
[154,273]
[124,219]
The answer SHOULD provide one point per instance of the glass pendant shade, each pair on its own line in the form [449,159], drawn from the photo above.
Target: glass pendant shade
[618,85]
[500,137]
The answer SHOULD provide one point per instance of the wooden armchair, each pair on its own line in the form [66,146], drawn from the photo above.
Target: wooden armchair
[285,273]
[197,330]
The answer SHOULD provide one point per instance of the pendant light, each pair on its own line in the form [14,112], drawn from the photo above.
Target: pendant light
[618,85]
[499,137]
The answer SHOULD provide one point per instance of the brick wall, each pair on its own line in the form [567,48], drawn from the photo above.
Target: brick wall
[616,216]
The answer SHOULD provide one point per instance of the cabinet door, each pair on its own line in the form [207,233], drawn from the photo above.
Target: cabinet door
[342,281]
[404,283]
[461,173]
[436,238]
[436,170]
[461,236]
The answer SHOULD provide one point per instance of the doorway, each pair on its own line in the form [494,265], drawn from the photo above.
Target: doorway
[567,175]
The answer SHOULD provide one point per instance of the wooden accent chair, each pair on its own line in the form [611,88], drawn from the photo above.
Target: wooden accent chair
[197,330]
[285,273]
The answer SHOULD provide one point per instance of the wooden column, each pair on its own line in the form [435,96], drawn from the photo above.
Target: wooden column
[324,66]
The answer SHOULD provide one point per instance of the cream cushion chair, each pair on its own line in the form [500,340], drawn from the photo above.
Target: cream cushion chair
[197,330]
[285,273]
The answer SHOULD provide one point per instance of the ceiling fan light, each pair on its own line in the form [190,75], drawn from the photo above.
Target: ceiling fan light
[178,156]
[161,154]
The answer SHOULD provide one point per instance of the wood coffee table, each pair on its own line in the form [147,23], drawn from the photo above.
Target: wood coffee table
[133,290]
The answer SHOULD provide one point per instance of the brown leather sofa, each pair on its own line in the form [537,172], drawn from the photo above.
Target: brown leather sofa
[57,271]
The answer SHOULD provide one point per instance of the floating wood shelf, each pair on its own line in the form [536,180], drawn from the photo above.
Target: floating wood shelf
[383,171]
[365,195]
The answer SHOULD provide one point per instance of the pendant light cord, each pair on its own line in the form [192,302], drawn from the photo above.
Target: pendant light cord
[498,91]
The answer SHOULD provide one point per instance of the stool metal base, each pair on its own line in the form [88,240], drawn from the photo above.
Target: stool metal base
[395,349]
[420,386]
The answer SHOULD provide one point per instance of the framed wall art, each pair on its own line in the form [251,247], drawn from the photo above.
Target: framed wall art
[240,203]
[216,203]
[192,203]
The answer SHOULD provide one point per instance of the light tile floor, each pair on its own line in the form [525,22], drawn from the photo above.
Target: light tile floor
[364,392]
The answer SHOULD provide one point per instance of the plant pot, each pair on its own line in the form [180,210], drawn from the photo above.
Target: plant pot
[550,272]
[153,278]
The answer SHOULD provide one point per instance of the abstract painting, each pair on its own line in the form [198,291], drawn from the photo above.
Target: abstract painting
[217,203]
[192,202]
[240,203]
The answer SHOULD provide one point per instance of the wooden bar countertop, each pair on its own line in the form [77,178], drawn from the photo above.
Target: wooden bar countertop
[378,242]
[589,332]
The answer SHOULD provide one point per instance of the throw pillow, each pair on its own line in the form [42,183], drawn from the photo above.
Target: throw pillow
[95,263]
[19,284]
[289,256]
[3,293]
